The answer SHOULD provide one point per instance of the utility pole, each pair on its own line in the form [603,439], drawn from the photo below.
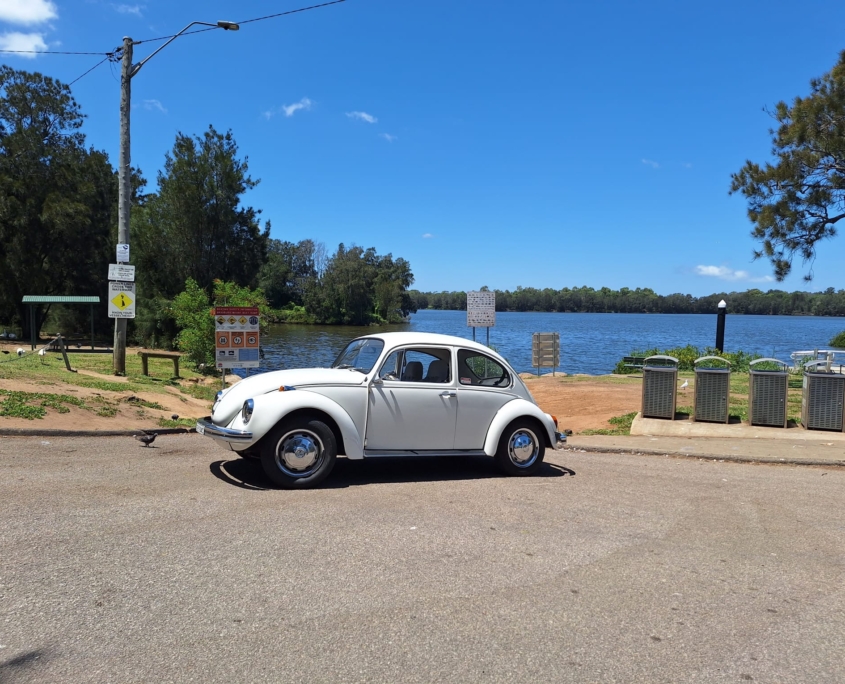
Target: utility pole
[124,171]
[125,189]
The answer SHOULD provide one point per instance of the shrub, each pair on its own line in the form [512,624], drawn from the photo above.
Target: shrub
[838,340]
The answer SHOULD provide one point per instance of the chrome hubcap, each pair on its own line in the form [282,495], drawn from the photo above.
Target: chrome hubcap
[299,453]
[522,448]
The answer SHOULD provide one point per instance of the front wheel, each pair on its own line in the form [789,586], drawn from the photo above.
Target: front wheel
[521,449]
[299,453]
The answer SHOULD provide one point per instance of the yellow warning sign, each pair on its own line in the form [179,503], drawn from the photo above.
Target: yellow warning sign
[121,301]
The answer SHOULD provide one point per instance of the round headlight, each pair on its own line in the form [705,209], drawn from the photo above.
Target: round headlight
[246,411]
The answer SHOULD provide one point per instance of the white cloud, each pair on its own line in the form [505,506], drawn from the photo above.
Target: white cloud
[129,9]
[725,273]
[27,12]
[427,235]
[652,164]
[150,105]
[388,137]
[362,116]
[23,41]
[292,109]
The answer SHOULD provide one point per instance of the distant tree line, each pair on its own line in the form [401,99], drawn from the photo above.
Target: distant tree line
[644,300]
[58,229]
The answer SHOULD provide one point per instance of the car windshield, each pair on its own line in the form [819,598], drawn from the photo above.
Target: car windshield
[360,355]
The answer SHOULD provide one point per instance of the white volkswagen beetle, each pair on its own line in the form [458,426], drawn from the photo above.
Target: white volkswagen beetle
[386,394]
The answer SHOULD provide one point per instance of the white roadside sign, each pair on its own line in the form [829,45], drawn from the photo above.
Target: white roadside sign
[122,253]
[121,300]
[123,272]
[481,309]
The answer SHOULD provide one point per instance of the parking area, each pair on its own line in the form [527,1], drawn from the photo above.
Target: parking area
[175,563]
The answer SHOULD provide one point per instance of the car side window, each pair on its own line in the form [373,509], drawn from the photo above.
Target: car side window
[475,368]
[391,369]
[427,365]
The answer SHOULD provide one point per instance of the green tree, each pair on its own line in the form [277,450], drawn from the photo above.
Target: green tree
[195,226]
[797,201]
[58,199]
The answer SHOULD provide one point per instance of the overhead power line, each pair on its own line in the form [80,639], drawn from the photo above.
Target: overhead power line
[51,52]
[246,21]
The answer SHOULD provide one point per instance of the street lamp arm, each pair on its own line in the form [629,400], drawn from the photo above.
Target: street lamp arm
[137,67]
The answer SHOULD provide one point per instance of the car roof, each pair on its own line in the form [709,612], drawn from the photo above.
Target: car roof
[394,339]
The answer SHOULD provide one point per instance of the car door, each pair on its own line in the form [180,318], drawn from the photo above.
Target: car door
[413,402]
[483,388]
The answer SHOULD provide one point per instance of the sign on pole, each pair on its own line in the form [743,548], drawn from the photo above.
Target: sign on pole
[122,253]
[123,272]
[236,330]
[545,351]
[481,309]
[121,300]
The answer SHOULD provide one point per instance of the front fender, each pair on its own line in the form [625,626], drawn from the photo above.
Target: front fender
[272,407]
[510,412]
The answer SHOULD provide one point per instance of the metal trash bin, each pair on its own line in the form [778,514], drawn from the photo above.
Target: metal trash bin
[660,386]
[822,398]
[767,394]
[712,391]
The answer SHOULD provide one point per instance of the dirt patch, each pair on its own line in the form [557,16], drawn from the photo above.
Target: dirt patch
[583,402]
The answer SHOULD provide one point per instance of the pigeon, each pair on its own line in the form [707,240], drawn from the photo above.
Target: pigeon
[5,351]
[146,439]
[685,385]
[20,351]
[42,352]
[175,416]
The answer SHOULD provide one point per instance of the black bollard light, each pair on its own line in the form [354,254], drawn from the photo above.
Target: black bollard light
[720,326]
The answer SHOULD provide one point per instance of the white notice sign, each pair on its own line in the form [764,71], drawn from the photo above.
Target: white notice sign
[481,309]
[122,272]
[122,254]
[121,300]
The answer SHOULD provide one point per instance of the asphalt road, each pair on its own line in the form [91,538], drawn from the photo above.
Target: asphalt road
[174,564]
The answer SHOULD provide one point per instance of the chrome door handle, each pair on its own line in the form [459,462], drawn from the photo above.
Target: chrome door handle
[449,393]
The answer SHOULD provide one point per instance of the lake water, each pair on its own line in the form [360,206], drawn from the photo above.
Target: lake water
[590,342]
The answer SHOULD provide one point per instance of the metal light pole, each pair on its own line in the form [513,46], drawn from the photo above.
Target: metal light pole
[127,71]
[720,326]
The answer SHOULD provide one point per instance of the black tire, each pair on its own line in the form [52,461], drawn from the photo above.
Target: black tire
[311,453]
[521,448]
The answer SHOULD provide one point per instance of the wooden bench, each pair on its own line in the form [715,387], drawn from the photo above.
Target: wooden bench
[633,361]
[145,355]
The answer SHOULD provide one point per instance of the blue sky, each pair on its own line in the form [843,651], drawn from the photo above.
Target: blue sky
[533,143]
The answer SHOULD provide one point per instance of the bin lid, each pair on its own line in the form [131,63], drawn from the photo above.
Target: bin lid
[661,361]
[782,370]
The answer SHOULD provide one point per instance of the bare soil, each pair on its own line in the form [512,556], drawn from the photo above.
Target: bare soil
[579,402]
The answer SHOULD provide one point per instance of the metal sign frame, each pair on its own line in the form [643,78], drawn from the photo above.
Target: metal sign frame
[545,351]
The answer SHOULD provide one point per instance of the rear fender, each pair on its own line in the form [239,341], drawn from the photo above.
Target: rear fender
[517,408]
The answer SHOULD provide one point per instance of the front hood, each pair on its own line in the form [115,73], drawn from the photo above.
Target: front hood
[234,397]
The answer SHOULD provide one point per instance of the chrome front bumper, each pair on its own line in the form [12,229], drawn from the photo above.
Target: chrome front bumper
[560,440]
[206,427]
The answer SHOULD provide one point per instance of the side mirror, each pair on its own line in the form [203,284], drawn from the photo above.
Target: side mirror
[377,380]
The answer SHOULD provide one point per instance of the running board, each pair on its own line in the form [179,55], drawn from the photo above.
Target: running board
[378,453]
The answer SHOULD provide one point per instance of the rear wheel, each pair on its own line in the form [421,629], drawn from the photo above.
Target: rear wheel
[521,449]
[299,453]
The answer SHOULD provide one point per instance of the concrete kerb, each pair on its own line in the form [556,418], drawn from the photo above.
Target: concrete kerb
[702,456]
[36,432]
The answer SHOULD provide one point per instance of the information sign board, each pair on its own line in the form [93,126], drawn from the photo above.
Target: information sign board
[481,309]
[122,253]
[121,300]
[236,331]
[123,272]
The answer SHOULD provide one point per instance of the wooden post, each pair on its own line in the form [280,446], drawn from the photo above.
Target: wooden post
[64,353]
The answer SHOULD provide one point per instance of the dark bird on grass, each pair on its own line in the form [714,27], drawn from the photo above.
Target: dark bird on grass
[5,351]
[146,439]
[175,416]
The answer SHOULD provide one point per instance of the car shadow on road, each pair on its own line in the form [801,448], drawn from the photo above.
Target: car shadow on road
[248,473]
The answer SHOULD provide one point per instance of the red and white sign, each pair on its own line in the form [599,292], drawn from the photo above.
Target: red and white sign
[237,336]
